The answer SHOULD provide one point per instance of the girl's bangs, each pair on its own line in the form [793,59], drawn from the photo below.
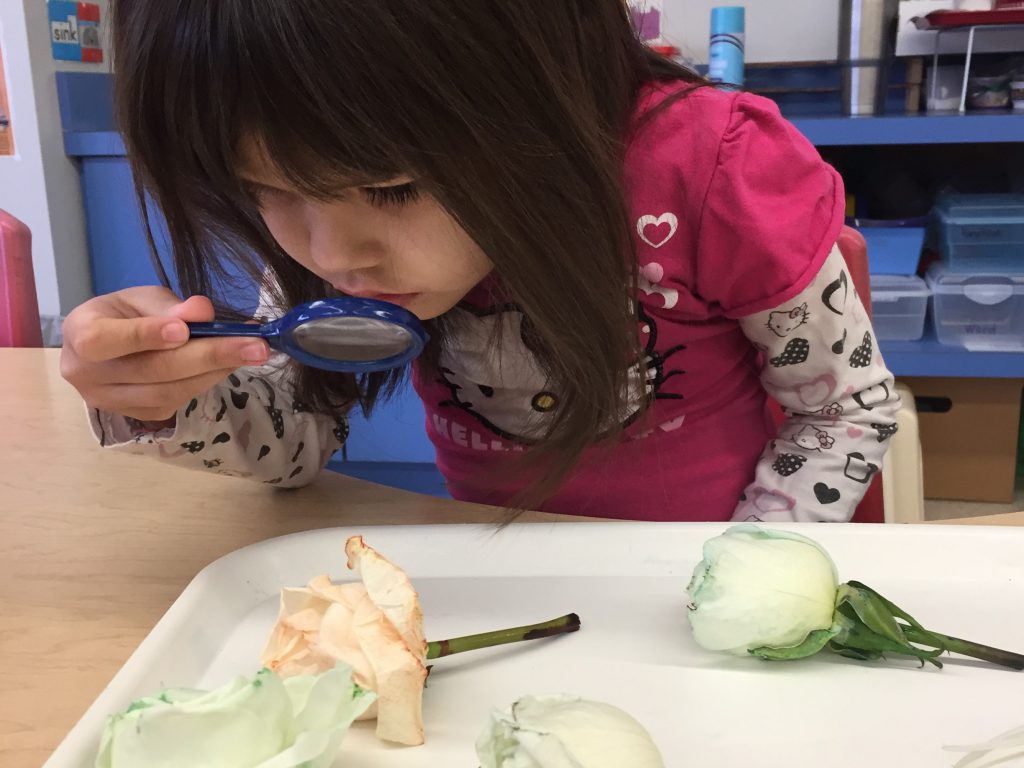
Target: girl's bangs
[234,93]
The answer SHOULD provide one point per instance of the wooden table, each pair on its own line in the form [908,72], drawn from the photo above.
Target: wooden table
[94,546]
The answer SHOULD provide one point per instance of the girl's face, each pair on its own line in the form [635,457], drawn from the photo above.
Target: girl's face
[388,241]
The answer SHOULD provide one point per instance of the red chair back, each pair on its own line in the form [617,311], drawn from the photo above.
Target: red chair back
[19,310]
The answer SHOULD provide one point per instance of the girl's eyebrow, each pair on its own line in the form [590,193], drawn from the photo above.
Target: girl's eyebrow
[254,167]
[262,178]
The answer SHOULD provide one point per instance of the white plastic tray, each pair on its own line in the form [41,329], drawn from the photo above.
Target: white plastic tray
[627,581]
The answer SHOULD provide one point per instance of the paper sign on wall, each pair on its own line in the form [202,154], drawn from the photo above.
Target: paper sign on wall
[75,31]
[6,131]
[647,18]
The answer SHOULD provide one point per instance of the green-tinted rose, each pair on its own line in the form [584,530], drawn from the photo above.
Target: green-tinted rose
[252,722]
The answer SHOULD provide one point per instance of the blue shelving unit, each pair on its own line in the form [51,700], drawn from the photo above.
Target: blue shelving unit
[928,357]
[952,128]
[93,144]
[823,131]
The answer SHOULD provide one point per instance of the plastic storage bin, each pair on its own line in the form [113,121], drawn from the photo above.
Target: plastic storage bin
[980,233]
[894,245]
[899,304]
[983,312]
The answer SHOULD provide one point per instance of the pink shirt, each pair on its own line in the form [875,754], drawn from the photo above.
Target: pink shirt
[734,214]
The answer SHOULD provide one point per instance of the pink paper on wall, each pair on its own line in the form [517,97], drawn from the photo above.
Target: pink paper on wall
[647,18]
[6,131]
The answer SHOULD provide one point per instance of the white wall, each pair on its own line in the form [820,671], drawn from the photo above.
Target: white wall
[39,184]
[777,30]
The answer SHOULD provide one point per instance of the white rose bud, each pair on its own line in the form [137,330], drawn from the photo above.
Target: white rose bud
[775,594]
[762,589]
[558,731]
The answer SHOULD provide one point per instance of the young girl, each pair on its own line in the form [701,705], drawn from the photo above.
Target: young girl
[617,264]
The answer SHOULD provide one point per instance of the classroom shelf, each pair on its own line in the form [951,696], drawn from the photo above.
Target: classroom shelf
[946,128]
[928,357]
[822,131]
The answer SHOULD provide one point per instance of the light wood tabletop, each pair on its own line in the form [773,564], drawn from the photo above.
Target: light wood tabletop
[95,545]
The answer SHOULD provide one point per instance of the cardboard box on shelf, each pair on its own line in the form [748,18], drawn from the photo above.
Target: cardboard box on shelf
[1020,446]
[968,436]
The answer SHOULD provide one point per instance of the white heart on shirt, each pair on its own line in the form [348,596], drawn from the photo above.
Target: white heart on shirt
[657,238]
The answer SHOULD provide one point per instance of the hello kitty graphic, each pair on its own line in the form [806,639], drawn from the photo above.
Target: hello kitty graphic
[813,438]
[491,371]
[783,322]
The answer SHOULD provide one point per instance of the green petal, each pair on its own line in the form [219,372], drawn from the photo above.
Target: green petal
[853,653]
[814,643]
[894,609]
[855,640]
[872,611]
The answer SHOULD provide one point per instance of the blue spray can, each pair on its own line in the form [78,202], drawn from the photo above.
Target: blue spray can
[728,37]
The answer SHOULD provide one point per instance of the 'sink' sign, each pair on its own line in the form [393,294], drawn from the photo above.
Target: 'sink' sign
[75,31]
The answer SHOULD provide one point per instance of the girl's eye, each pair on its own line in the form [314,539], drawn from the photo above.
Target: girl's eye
[397,195]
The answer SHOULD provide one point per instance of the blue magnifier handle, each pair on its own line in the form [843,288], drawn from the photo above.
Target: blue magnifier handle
[349,335]
[254,330]
[225,329]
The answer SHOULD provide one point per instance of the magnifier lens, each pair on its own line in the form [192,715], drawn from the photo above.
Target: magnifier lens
[358,339]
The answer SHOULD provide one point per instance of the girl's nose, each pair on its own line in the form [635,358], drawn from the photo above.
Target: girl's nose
[338,244]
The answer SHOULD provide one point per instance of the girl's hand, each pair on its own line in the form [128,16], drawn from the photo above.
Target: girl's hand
[129,352]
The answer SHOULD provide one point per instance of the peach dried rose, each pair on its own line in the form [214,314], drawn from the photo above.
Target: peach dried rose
[375,625]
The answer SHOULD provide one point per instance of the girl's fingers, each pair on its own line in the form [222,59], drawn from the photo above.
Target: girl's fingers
[198,357]
[97,339]
[134,320]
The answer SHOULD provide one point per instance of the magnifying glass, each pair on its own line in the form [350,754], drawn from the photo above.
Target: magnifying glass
[345,334]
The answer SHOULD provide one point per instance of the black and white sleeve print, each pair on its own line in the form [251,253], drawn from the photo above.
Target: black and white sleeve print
[249,426]
[822,365]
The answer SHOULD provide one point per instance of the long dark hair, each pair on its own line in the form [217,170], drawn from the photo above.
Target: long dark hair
[514,113]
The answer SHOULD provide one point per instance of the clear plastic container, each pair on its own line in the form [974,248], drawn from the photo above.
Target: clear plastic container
[899,304]
[983,312]
[981,233]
